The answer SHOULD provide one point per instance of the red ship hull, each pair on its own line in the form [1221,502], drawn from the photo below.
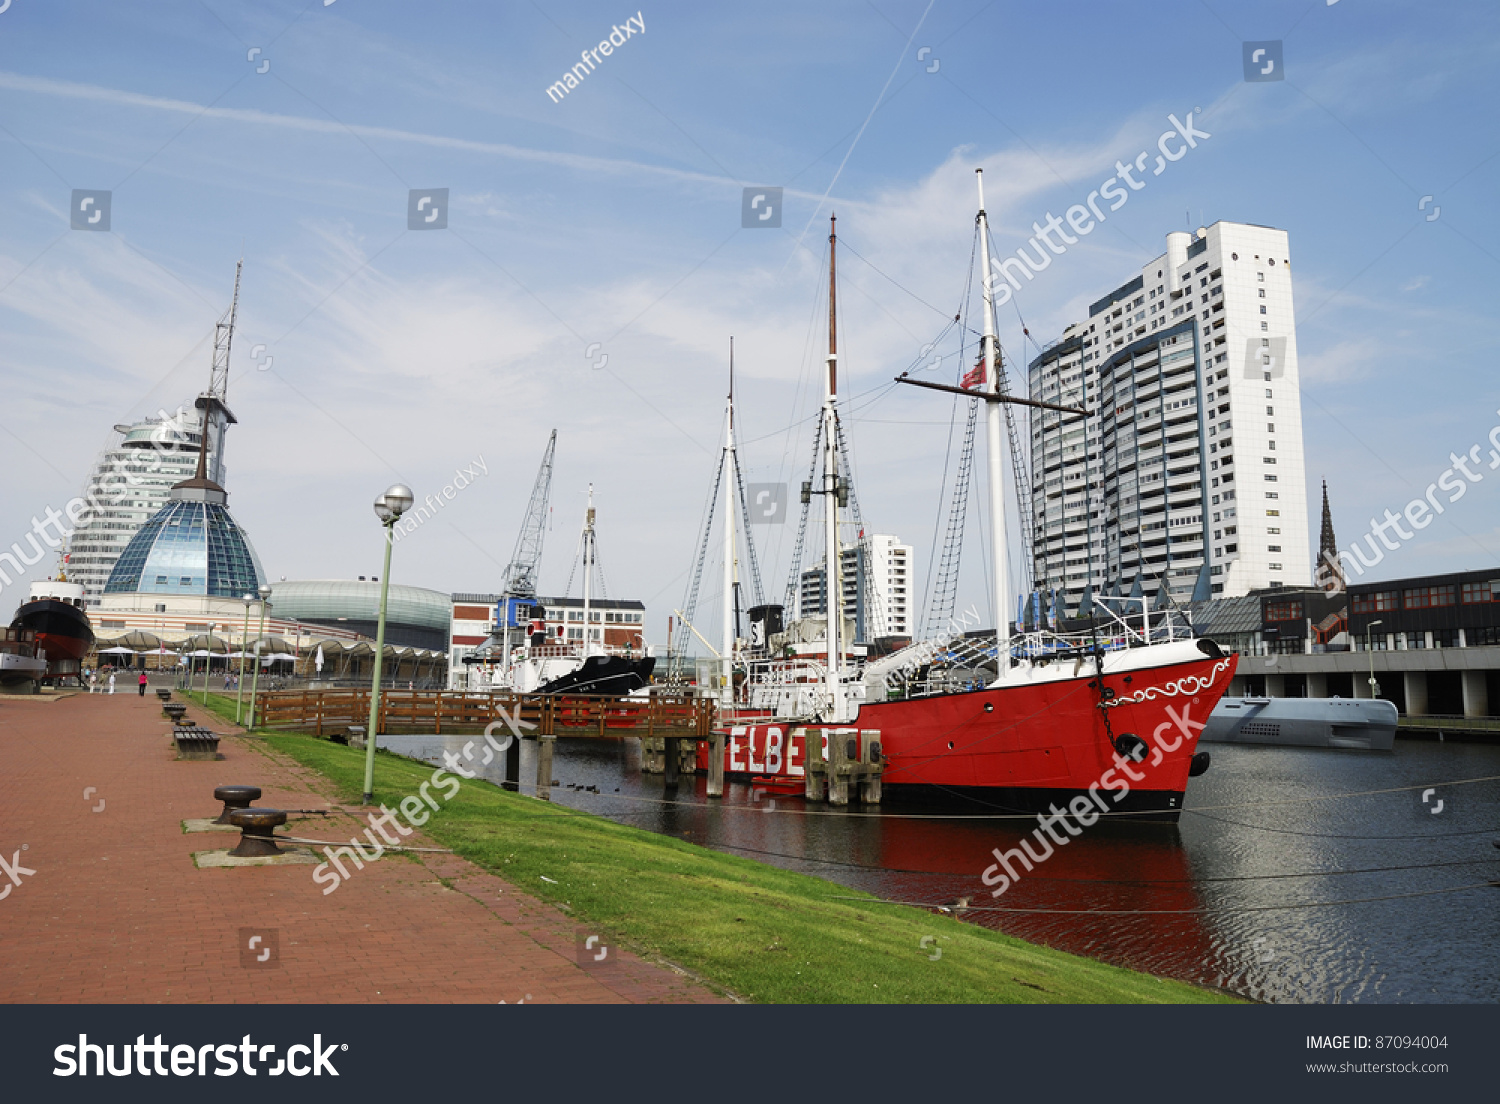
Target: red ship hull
[1028,746]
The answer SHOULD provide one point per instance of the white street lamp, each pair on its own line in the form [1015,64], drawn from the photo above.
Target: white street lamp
[208,647]
[265,600]
[239,688]
[388,508]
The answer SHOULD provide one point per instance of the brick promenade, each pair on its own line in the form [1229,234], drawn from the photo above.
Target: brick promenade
[118,913]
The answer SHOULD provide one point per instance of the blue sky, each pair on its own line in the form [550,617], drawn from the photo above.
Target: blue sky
[613,217]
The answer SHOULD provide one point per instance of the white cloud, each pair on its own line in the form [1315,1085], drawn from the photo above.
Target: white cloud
[1350,359]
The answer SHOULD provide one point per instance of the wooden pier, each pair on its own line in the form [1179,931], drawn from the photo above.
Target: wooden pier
[438,711]
[668,724]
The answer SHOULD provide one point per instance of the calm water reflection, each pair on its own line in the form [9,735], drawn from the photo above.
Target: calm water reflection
[1262,888]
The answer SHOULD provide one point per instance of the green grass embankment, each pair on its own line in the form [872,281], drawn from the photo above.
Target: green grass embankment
[218,703]
[764,934]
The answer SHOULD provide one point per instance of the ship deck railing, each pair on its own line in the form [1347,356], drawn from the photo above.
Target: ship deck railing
[966,661]
[573,649]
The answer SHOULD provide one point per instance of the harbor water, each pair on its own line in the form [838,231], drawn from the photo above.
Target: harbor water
[1294,875]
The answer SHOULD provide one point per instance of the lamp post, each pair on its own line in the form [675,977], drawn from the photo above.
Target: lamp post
[388,508]
[265,600]
[1374,686]
[208,658]
[239,688]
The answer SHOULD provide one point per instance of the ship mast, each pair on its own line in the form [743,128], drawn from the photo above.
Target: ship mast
[730,613]
[588,572]
[832,585]
[994,441]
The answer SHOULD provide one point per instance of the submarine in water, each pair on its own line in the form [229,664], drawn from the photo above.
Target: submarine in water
[1359,724]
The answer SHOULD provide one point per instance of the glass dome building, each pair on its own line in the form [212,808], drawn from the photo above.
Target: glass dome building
[188,547]
[130,483]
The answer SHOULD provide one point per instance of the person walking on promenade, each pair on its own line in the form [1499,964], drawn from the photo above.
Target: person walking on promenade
[111,682]
[93,682]
[143,684]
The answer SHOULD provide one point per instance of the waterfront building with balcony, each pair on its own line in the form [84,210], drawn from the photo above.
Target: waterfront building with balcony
[1188,474]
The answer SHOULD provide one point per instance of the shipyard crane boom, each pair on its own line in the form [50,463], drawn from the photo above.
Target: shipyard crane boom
[218,380]
[216,414]
[520,575]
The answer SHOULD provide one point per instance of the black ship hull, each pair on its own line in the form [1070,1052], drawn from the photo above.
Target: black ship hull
[63,633]
[612,675]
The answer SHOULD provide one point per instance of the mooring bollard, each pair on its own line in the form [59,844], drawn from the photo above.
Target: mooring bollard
[870,781]
[853,755]
[513,766]
[234,797]
[716,764]
[672,763]
[841,749]
[651,755]
[812,756]
[257,832]
[544,766]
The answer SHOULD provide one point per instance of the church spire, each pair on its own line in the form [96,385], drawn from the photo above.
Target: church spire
[1328,550]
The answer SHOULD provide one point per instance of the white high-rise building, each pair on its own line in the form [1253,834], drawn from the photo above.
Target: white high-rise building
[129,485]
[877,576]
[1189,471]
[888,566]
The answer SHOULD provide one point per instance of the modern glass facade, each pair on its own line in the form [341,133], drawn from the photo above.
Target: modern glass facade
[129,484]
[188,548]
[415,617]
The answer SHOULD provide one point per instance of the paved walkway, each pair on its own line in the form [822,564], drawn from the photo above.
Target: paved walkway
[116,911]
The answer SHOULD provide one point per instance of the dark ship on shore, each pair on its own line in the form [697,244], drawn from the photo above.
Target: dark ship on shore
[53,616]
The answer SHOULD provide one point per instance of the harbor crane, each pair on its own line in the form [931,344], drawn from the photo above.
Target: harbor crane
[520,575]
[217,416]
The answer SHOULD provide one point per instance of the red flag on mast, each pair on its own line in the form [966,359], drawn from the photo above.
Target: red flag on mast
[975,378]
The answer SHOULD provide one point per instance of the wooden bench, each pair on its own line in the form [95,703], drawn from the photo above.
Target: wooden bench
[195,742]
